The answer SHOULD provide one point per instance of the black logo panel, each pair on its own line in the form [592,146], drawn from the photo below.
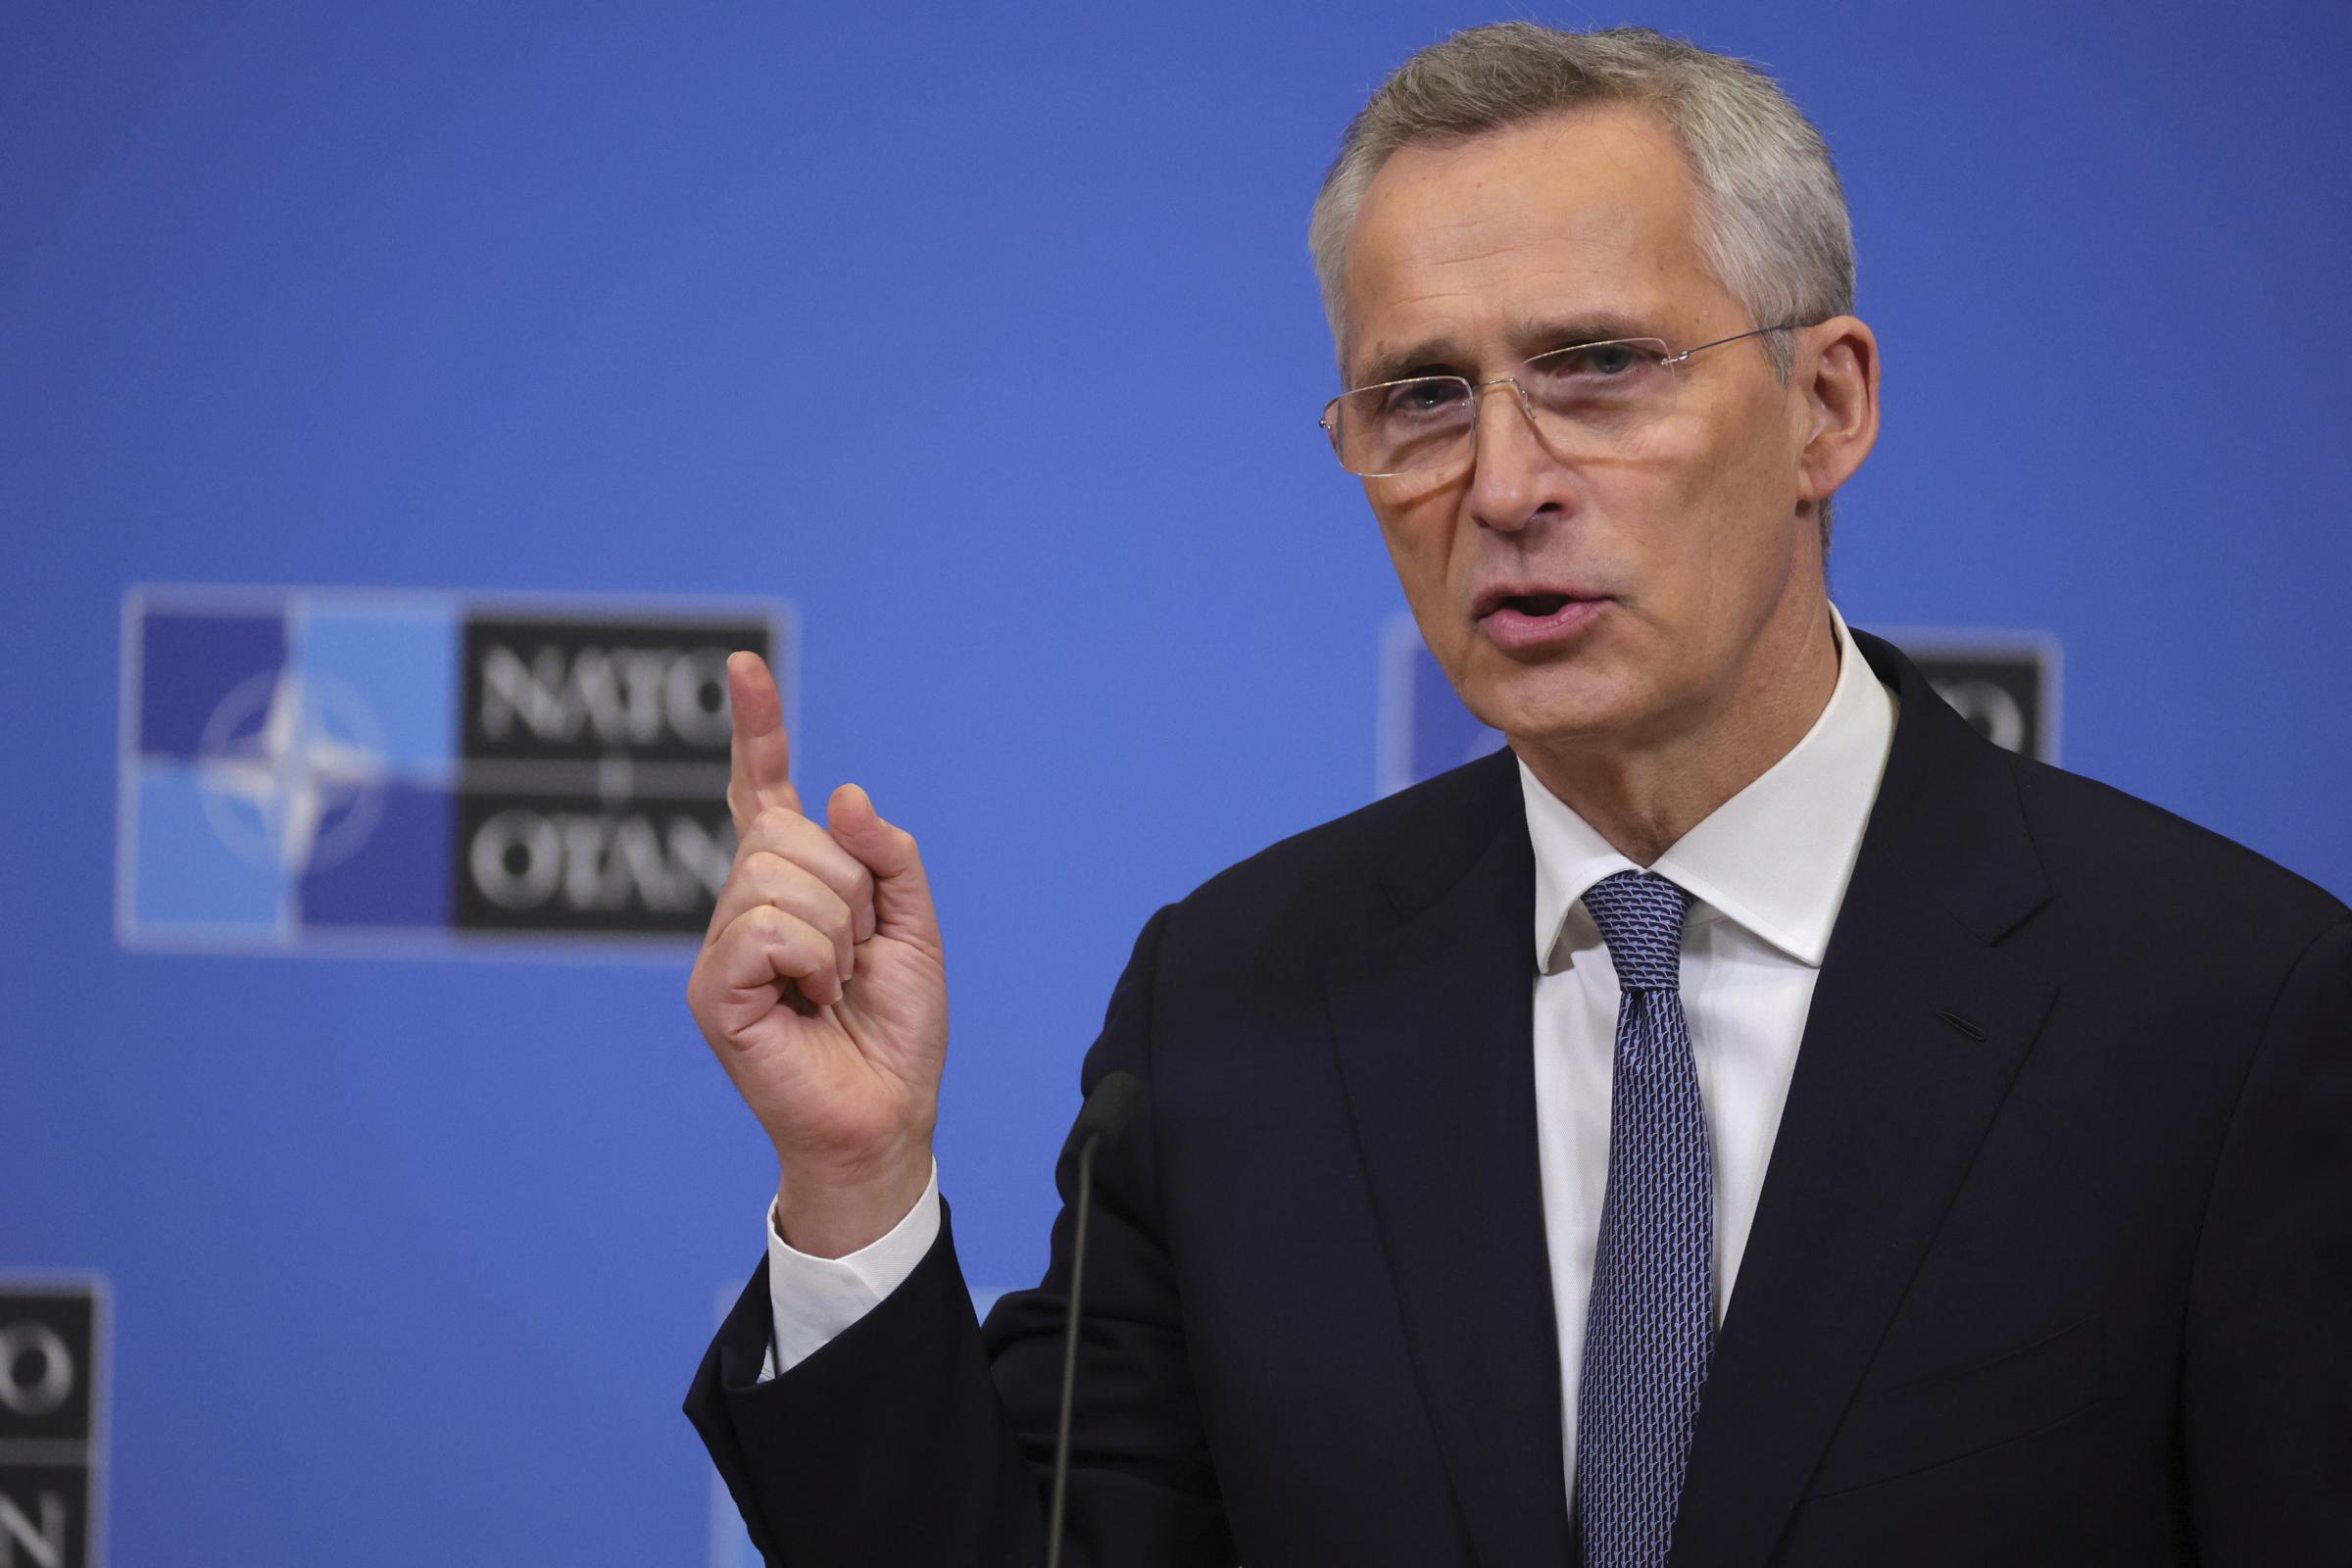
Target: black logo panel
[586,863]
[2007,692]
[48,1424]
[573,689]
[591,792]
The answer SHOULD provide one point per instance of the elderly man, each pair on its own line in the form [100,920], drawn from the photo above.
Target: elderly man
[1886,1150]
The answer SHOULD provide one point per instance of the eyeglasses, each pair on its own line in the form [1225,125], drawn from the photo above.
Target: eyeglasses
[1588,400]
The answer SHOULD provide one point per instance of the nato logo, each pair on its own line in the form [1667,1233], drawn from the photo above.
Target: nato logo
[326,769]
[2004,683]
[52,1421]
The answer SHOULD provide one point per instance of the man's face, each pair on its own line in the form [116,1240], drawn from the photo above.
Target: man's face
[1466,258]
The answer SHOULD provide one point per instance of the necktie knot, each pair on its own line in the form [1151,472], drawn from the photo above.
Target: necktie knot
[1641,918]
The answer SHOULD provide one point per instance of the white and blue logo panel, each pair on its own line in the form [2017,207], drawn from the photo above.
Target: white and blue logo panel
[1424,729]
[312,768]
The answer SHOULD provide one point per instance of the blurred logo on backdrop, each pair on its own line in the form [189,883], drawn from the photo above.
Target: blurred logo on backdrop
[52,1334]
[2005,683]
[338,769]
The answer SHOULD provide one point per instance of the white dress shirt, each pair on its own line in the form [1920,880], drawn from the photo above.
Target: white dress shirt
[1766,872]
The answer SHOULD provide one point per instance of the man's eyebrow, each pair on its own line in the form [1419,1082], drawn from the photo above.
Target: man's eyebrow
[1434,357]
[1532,336]
[1528,337]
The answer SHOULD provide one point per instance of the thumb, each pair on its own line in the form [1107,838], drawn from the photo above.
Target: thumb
[903,906]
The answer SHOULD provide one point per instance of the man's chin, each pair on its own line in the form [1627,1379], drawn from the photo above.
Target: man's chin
[1564,701]
[1554,715]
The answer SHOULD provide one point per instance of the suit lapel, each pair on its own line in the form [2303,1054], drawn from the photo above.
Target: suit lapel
[1433,1029]
[1890,1102]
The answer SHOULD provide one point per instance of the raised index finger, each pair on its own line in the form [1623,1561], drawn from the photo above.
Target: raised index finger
[759,757]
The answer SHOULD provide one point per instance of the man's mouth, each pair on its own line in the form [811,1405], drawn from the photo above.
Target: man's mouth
[1539,618]
[1533,602]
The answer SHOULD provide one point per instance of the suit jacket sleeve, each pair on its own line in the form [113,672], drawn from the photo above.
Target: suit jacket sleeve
[2268,1373]
[917,1437]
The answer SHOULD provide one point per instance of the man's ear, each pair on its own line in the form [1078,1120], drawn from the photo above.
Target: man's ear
[1837,373]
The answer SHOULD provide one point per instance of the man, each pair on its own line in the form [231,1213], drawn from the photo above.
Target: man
[1888,1150]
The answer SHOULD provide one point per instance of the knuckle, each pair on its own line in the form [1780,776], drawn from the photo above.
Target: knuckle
[802,890]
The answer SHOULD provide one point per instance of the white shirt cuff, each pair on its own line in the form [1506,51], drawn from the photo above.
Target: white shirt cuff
[813,1300]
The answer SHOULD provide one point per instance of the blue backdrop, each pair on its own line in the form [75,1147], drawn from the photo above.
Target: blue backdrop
[988,341]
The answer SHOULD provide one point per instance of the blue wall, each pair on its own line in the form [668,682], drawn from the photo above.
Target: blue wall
[989,343]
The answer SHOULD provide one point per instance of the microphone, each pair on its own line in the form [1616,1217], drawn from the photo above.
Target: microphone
[1100,1123]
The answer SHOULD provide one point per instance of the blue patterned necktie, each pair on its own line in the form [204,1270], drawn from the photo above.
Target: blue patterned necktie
[1651,1319]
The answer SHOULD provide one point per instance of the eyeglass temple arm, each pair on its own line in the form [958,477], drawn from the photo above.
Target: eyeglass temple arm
[1753,331]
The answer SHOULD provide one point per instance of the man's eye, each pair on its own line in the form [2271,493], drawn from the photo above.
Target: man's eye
[1418,399]
[1594,362]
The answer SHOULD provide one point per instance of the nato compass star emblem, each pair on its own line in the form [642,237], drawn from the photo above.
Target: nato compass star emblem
[281,772]
[291,767]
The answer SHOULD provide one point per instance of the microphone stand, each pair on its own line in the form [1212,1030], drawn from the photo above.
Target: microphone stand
[1103,1119]
[1069,1353]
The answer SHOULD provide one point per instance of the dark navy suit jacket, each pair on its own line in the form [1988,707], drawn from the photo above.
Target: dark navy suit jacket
[2053,1264]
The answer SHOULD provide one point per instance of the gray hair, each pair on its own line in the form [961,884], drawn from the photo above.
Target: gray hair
[1771,224]
[1772,221]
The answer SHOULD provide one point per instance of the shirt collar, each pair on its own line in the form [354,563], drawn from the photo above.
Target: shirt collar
[1775,858]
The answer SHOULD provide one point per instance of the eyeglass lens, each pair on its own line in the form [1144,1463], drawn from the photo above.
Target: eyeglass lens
[1588,400]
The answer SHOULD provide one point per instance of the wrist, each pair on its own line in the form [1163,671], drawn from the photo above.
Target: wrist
[826,1212]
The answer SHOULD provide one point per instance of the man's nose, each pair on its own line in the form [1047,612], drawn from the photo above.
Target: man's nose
[1510,467]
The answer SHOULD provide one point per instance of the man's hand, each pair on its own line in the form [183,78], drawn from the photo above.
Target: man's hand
[821,988]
